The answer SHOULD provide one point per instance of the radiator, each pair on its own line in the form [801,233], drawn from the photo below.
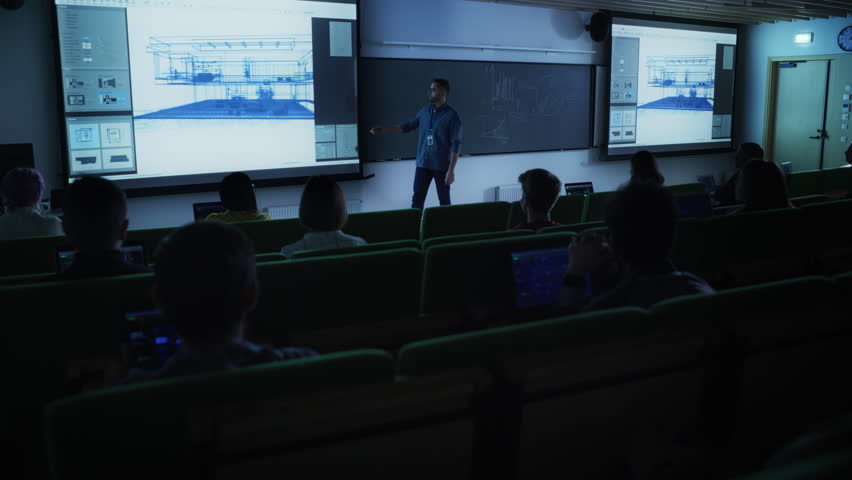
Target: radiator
[508,193]
[279,212]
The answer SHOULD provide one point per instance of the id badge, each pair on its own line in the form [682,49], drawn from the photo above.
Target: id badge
[430,139]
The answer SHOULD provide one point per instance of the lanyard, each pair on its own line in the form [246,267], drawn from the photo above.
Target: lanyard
[434,113]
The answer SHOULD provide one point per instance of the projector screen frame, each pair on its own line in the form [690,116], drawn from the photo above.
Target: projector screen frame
[199,187]
[661,150]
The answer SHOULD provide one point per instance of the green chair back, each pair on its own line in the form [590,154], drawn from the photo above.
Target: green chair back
[726,209]
[826,466]
[762,246]
[837,179]
[461,219]
[788,344]
[474,237]
[385,226]
[829,234]
[25,279]
[469,275]
[299,298]
[25,256]
[808,199]
[829,223]
[596,206]
[808,182]
[269,257]
[76,327]
[269,236]
[488,348]
[818,182]
[162,428]
[696,187]
[574,228]
[370,247]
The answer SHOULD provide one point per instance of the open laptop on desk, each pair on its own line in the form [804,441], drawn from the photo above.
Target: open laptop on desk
[133,253]
[538,276]
[147,338]
[201,210]
[579,188]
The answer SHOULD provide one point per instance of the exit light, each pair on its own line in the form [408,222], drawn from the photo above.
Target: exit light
[804,37]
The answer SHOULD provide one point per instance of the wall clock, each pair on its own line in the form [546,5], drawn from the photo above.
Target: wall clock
[844,39]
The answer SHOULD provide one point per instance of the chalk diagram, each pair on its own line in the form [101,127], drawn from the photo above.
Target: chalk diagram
[236,77]
[514,101]
[685,82]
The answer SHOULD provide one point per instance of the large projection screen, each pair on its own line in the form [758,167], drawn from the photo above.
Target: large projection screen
[173,93]
[671,86]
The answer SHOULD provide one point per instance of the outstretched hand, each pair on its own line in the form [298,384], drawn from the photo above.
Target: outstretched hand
[589,254]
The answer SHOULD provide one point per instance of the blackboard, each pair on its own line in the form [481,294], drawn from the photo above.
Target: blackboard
[505,107]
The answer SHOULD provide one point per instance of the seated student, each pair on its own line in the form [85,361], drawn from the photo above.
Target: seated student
[237,195]
[644,168]
[322,212]
[206,285]
[848,157]
[95,223]
[727,192]
[21,191]
[762,186]
[642,221]
[540,192]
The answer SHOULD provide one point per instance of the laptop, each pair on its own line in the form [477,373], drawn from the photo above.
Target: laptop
[693,205]
[201,210]
[579,188]
[133,253]
[538,276]
[148,339]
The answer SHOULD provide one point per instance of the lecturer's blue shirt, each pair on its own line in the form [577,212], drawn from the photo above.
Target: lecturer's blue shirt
[446,126]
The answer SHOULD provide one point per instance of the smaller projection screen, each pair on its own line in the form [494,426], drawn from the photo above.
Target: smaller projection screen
[671,86]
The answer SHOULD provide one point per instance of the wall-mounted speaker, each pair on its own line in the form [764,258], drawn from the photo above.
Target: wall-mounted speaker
[12,4]
[599,26]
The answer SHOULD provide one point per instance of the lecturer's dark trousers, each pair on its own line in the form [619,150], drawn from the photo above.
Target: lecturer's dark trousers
[422,178]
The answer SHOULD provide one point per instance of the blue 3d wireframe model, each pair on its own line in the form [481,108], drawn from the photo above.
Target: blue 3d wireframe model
[236,77]
[686,81]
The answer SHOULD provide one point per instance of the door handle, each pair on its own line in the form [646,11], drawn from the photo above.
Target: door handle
[822,134]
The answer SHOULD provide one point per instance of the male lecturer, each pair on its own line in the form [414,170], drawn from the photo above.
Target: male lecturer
[438,143]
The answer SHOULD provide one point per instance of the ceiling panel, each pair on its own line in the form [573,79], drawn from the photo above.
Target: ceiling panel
[729,11]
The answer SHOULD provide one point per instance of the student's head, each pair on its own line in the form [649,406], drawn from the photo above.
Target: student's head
[439,88]
[22,188]
[237,193]
[643,168]
[849,154]
[641,220]
[748,151]
[762,186]
[206,282]
[540,190]
[322,208]
[95,214]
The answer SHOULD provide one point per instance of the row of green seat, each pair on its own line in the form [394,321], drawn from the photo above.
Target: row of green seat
[744,371]
[696,240]
[726,250]
[818,182]
[37,255]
